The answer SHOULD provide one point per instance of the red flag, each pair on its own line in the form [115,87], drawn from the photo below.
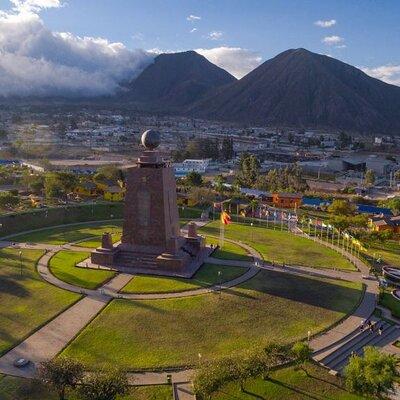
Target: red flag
[225,218]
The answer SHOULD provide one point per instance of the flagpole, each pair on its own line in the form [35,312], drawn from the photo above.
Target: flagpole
[221,234]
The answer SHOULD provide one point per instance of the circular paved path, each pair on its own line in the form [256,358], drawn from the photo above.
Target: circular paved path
[109,290]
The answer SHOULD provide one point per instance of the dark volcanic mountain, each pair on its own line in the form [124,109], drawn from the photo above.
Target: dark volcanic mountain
[175,80]
[303,89]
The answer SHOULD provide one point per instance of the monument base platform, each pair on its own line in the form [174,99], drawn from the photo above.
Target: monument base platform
[182,266]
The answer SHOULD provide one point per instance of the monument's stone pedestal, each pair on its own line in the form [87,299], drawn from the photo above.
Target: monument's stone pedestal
[151,236]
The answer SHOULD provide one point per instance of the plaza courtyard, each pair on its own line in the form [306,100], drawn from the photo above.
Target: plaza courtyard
[155,322]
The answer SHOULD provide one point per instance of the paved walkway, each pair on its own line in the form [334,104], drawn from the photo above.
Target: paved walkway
[48,341]
[325,343]
[111,292]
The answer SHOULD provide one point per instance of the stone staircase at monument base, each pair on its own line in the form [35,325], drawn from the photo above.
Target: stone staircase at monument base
[143,261]
[137,260]
[336,356]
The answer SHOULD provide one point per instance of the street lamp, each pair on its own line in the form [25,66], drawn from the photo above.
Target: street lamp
[251,224]
[20,263]
[220,281]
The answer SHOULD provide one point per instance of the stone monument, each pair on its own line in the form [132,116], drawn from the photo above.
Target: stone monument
[151,238]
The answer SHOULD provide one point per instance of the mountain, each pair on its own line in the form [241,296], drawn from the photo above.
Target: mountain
[303,89]
[174,81]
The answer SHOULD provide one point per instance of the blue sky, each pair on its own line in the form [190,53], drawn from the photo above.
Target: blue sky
[85,39]
[370,28]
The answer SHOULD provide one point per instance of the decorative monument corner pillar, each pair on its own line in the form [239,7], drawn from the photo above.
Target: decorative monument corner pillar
[192,230]
[106,241]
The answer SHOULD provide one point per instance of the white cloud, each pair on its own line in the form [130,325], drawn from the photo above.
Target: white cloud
[387,73]
[325,23]
[193,18]
[35,60]
[34,6]
[215,35]
[332,40]
[193,30]
[235,60]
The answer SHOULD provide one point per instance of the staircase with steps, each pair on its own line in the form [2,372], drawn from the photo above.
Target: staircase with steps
[131,259]
[335,357]
[183,391]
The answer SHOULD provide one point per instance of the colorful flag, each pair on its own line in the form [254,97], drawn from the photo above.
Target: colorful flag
[225,218]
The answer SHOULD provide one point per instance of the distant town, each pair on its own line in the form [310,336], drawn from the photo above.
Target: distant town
[83,141]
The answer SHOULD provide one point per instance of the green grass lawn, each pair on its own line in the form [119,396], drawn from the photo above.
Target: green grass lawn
[62,265]
[389,251]
[12,388]
[172,332]
[26,301]
[68,234]
[206,276]
[290,383]
[86,235]
[229,251]
[93,243]
[279,247]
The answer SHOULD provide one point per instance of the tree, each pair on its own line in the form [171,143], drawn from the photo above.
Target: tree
[53,186]
[201,195]
[373,374]
[227,151]
[370,177]
[340,221]
[253,365]
[249,170]
[219,182]
[302,352]
[110,172]
[283,179]
[34,182]
[104,385]
[193,178]
[341,207]
[68,179]
[213,375]
[394,205]
[61,374]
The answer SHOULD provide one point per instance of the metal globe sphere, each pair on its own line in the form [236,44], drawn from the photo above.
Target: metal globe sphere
[151,139]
